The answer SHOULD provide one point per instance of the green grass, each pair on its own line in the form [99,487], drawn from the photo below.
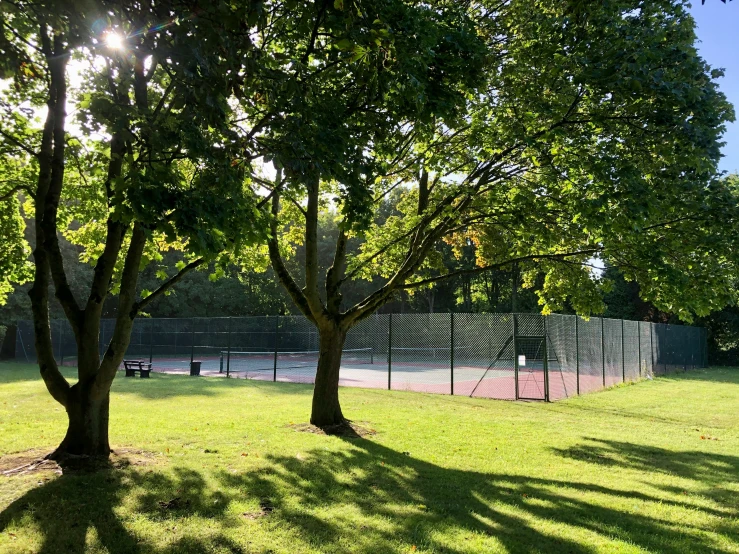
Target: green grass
[625,470]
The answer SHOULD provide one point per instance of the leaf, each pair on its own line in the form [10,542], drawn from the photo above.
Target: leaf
[345,44]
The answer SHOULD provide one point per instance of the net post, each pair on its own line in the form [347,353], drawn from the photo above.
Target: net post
[151,341]
[546,362]
[228,350]
[277,342]
[451,352]
[389,350]
[603,349]
[192,341]
[623,354]
[514,330]
[577,352]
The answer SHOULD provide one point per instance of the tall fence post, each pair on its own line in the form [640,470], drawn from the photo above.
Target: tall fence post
[577,352]
[651,345]
[685,357]
[623,353]
[515,353]
[451,352]
[277,346]
[389,350]
[546,362]
[228,349]
[638,344]
[192,341]
[151,341]
[603,349]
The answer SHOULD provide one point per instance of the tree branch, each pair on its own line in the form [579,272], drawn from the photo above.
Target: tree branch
[314,33]
[16,189]
[138,306]
[333,276]
[476,270]
[283,274]
[311,250]
[124,321]
[28,150]
[55,382]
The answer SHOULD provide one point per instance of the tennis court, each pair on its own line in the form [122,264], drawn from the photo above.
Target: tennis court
[501,356]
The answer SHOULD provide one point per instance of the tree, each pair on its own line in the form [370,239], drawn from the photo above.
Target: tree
[150,165]
[584,135]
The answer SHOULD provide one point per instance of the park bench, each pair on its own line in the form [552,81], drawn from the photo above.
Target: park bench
[132,366]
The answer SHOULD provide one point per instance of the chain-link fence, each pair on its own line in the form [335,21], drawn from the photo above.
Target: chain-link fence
[503,356]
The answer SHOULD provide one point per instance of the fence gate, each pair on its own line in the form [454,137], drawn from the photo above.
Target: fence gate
[530,367]
[530,360]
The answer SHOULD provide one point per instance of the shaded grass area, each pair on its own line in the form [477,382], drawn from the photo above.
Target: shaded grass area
[652,467]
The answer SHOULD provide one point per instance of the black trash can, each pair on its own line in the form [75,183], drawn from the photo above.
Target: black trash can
[195,368]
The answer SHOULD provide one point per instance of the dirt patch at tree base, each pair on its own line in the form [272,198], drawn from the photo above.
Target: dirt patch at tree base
[35,461]
[349,429]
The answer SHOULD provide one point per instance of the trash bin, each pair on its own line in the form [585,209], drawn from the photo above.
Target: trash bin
[195,368]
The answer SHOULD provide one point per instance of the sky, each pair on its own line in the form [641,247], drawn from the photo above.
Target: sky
[718,32]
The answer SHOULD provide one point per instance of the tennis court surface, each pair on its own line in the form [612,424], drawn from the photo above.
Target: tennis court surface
[503,356]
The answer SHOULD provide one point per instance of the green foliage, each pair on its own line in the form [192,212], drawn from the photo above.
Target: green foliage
[345,79]
[14,250]
[152,140]
[595,136]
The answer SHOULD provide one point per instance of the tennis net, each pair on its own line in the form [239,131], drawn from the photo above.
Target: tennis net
[268,361]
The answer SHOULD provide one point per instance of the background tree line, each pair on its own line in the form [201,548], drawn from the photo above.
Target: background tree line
[244,292]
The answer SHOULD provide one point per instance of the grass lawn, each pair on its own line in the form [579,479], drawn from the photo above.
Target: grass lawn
[652,467]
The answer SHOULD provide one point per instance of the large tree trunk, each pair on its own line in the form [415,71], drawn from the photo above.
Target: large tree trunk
[326,408]
[87,431]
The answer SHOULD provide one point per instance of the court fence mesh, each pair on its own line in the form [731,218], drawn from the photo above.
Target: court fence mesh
[501,356]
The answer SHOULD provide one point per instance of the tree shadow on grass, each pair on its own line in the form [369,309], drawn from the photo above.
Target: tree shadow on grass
[366,498]
[417,503]
[65,510]
[716,474]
